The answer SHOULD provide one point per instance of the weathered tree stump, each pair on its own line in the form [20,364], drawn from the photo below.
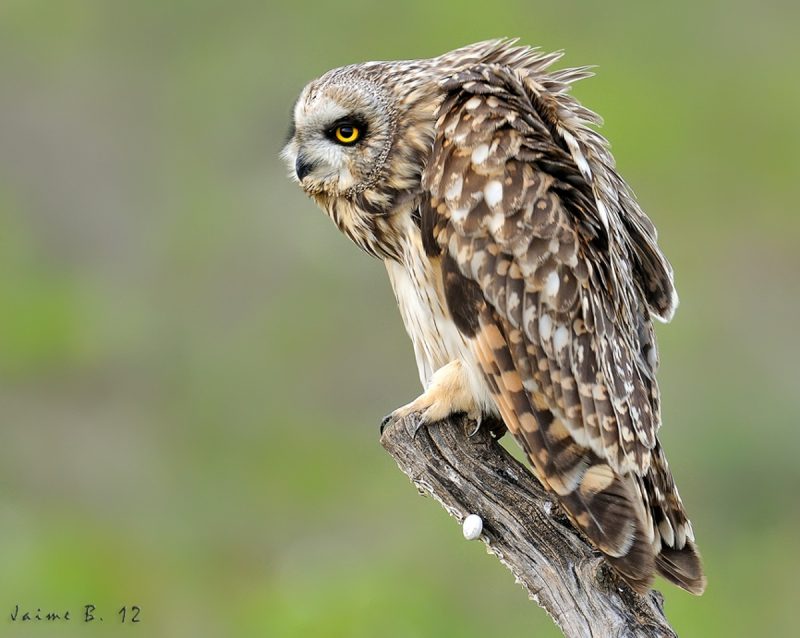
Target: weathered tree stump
[524,527]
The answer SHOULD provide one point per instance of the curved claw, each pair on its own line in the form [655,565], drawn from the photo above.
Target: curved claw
[420,421]
[478,423]
[385,421]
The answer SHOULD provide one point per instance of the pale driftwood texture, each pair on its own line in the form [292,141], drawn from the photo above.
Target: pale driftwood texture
[525,529]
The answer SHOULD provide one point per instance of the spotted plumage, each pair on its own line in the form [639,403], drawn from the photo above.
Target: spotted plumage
[526,274]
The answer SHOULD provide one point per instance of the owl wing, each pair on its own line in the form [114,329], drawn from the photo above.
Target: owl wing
[555,294]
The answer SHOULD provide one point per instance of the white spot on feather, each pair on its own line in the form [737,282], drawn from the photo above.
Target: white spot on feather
[667,534]
[689,531]
[477,263]
[480,154]
[493,193]
[512,302]
[545,327]
[577,155]
[551,284]
[528,315]
[495,223]
[560,338]
[680,536]
[459,215]
[473,103]
[603,212]
[454,190]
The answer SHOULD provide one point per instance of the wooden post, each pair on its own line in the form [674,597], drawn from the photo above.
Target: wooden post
[524,527]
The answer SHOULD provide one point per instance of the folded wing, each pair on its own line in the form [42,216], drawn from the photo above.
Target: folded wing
[563,279]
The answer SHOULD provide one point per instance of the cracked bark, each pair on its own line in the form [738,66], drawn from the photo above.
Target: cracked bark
[524,527]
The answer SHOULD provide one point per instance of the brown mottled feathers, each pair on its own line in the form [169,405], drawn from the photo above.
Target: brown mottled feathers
[553,273]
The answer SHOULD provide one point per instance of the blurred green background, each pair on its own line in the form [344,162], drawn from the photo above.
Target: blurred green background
[193,362]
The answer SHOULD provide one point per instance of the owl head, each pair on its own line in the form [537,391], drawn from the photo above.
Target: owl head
[360,130]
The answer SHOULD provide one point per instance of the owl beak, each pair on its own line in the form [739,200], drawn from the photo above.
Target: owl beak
[302,167]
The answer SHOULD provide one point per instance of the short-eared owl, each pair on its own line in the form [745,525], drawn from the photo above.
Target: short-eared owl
[526,274]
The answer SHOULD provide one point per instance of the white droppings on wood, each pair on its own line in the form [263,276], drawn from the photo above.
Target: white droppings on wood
[472,527]
[566,588]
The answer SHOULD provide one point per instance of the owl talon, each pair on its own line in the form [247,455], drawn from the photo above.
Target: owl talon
[447,394]
[478,423]
[420,421]
[385,421]
[416,418]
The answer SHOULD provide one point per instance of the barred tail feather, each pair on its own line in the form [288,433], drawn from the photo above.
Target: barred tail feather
[682,567]
[605,507]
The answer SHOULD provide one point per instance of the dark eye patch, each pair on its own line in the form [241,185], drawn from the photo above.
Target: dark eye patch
[350,121]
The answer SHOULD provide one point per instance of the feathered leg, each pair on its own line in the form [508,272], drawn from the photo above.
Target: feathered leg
[448,393]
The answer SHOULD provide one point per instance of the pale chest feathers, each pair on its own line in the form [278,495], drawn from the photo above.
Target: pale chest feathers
[417,285]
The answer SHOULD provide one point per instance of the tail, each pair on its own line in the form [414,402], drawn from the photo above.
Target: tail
[639,524]
[678,559]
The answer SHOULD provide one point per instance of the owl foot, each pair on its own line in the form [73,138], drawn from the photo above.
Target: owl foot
[447,394]
[416,419]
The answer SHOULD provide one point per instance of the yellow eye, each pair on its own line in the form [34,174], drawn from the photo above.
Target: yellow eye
[347,133]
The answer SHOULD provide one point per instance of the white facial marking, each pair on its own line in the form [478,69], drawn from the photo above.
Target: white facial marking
[345,179]
[319,112]
[331,164]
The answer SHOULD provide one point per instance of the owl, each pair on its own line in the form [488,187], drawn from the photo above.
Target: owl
[526,274]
